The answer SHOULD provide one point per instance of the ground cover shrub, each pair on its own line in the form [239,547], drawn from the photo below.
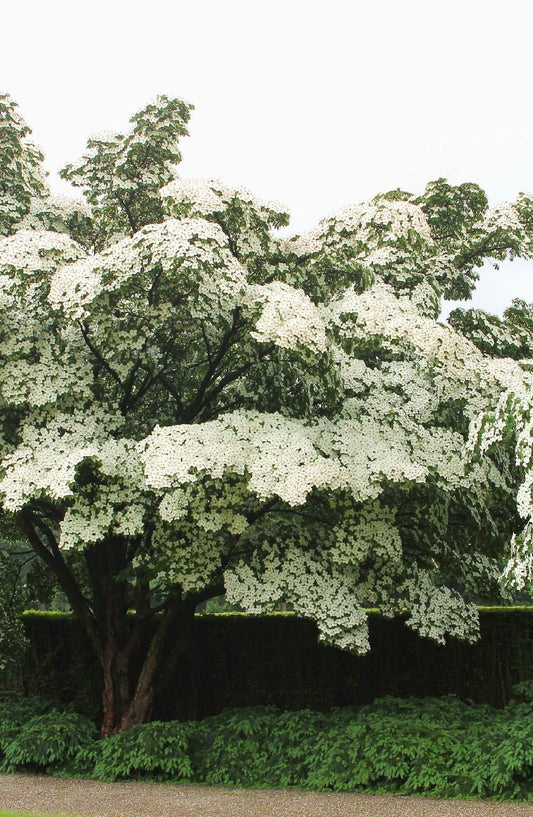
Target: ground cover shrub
[292,745]
[255,746]
[56,742]
[21,710]
[440,747]
[523,691]
[233,748]
[14,713]
[497,757]
[158,751]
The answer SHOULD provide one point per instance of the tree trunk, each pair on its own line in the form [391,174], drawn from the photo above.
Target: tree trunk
[137,655]
[129,692]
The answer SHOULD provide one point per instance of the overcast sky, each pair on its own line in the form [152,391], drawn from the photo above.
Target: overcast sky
[317,105]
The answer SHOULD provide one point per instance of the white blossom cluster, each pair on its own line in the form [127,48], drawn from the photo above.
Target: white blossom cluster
[198,524]
[367,453]
[208,197]
[40,360]
[23,175]
[58,373]
[119,506]
[54,213]
[513,417]
[379,312]
[36,253]
[399,388]
[246,220]
[436,611]
[276,453]
[45,462]
[371,533]
[181,248]
[288,317]
[518,572]
[372,225]
[285,458]
[504,217]
[315,592]
[459,368]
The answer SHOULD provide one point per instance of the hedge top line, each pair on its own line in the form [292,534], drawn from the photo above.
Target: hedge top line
[372,611]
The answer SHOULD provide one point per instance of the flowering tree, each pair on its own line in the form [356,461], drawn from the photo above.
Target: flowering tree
[191,404]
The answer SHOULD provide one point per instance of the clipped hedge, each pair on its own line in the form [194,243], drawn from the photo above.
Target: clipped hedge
[437,747]
[236,660]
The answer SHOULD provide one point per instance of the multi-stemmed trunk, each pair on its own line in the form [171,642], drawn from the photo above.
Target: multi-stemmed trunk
[137,643]
[136,670]
[139,649]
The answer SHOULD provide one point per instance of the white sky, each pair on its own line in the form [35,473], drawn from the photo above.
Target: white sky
[315,104]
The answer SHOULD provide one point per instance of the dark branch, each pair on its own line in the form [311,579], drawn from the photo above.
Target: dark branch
[98,355]
[225,344]
[129,215]
[29,525]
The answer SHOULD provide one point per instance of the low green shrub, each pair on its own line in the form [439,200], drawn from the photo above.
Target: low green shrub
[14,713]
[292,745]
[52,742]
[439,747]
[523,691]
[233,748]
[158,751]
[21,710]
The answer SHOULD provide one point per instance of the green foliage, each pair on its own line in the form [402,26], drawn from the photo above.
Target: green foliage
[510,336]
[234,748]
[441,747]
[454,215]
[55,741]
[20,710]
[121,174]
[293,741]
[47,615]
[14,713]
[451,210]
[524,691]
[21,173]
[155,750]
[13,598]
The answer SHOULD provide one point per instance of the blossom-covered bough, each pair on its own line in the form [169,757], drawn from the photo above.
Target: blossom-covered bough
[191,404]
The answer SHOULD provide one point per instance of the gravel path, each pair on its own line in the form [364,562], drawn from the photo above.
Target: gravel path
[49,795]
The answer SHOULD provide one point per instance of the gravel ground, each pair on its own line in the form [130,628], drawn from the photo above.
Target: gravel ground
[49,795]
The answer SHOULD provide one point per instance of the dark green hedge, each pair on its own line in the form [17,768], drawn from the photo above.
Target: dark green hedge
[237,661]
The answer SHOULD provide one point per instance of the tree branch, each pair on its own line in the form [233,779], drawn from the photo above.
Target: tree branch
[129,215]
[98,355]
[54,560]
[211,373]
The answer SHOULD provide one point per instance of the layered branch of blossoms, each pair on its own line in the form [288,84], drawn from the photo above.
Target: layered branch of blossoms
[315,592]
[512,422]
[23,176]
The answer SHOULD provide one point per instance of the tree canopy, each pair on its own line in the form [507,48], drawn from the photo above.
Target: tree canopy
[192,403]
